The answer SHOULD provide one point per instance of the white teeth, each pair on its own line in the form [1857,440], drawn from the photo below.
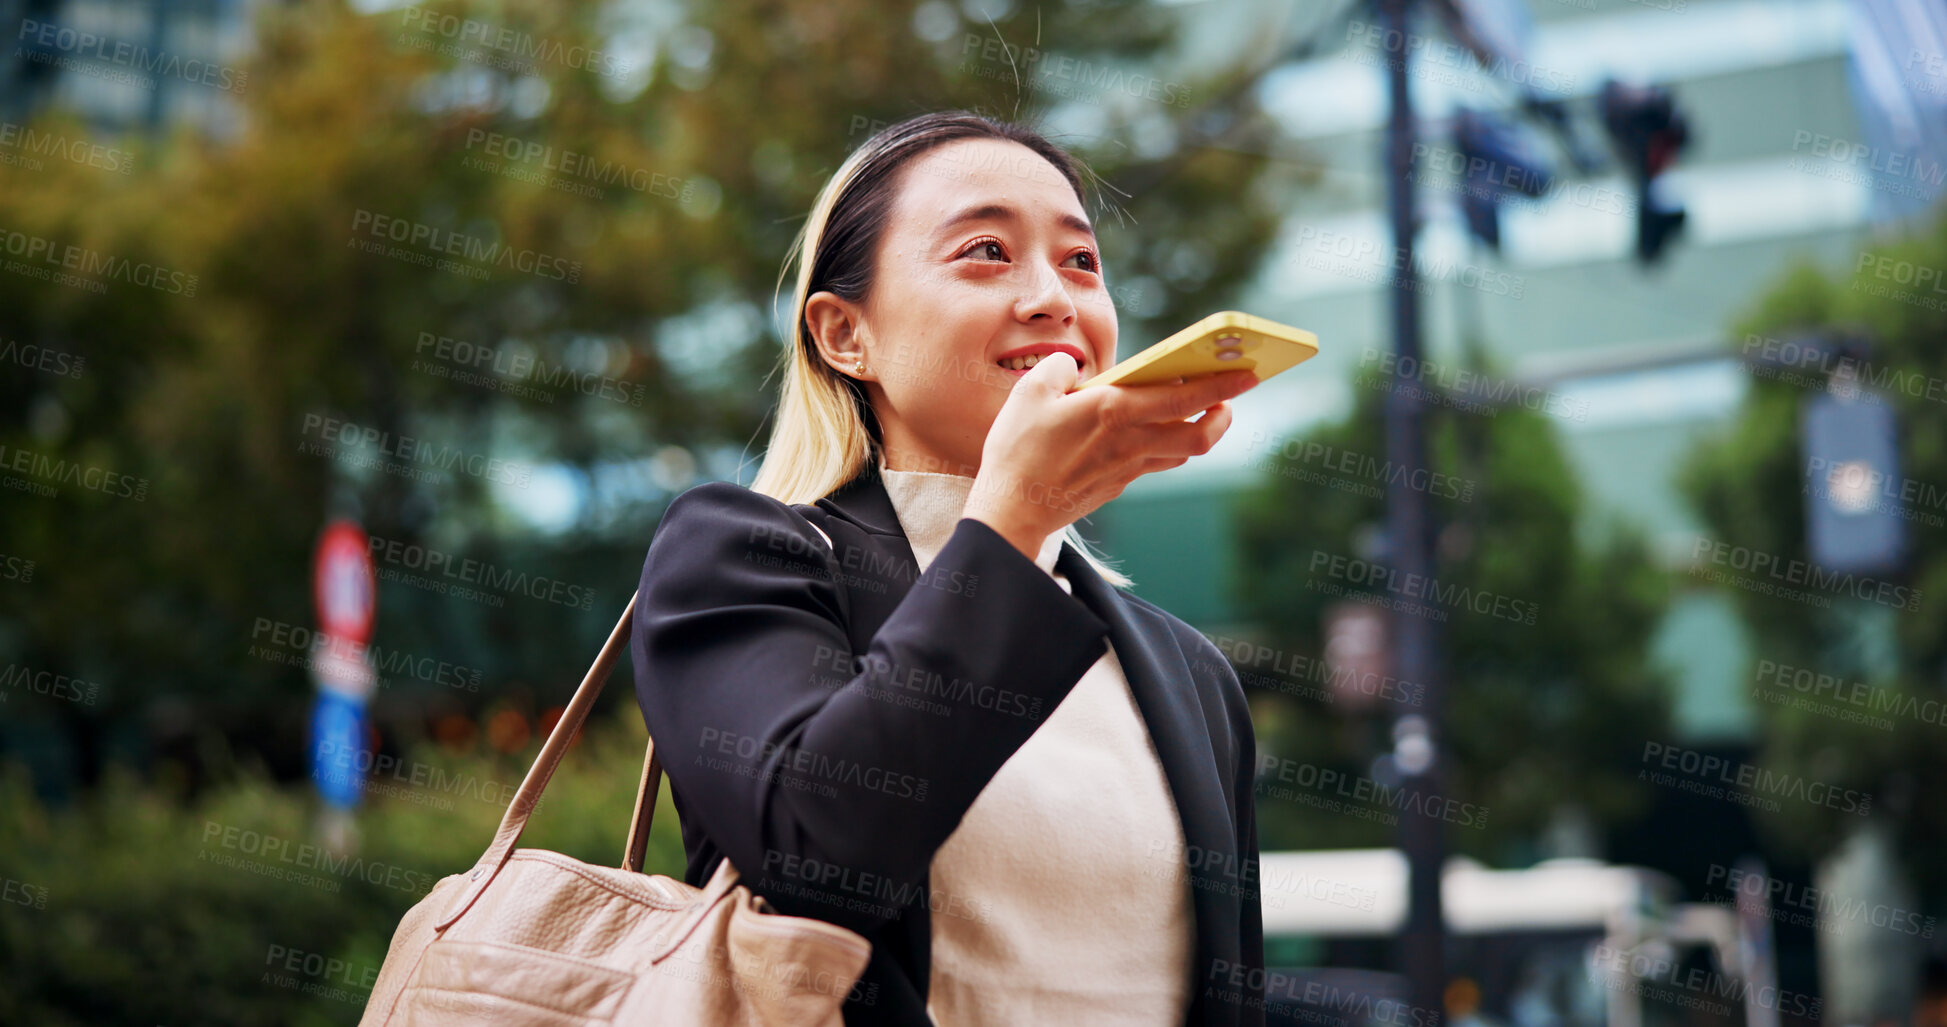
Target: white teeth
[1021,363]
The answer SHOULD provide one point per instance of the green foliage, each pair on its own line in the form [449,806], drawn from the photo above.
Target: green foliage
[1537,716]
[138,907]
[206,392]
[1749,488]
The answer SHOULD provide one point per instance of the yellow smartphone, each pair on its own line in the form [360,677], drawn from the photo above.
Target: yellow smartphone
[1228,340]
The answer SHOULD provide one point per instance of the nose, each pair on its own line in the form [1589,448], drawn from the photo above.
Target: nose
[1046,298]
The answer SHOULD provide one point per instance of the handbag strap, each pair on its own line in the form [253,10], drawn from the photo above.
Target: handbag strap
[645,809]
[536,781]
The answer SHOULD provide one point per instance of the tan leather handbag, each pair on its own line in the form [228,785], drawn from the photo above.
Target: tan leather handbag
[532,937]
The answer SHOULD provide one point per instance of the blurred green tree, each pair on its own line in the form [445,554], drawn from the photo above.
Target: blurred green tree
[1543,716]
[1751,488]
[558,254]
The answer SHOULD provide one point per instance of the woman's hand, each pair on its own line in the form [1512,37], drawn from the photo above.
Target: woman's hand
[1052,457]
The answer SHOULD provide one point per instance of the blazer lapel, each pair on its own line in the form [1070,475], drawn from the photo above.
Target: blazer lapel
[1165,690]
[1167,694]
[864,501]
[1158,671]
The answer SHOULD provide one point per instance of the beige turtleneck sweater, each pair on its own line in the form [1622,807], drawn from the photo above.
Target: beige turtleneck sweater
[1055,906]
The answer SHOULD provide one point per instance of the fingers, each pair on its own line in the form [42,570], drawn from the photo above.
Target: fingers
[1144,449]
[1055,373]
[1111,487]
[1186,439]
[1114,435]
[1148,404]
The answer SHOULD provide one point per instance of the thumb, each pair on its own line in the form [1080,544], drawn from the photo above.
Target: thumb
[1054,373]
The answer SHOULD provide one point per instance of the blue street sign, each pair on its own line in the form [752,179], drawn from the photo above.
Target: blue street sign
[337,748]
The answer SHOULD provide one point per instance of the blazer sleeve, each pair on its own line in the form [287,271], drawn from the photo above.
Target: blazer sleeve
[810,766]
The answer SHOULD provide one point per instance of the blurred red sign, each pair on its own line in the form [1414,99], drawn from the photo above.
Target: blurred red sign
[344,583]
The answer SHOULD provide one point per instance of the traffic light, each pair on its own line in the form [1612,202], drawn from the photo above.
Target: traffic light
[1855,498]
[1648,132]
[1500,160]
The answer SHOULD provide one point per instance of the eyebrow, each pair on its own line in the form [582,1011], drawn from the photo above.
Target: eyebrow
[1002,212]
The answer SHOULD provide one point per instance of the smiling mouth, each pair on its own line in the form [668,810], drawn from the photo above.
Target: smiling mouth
[1023,363]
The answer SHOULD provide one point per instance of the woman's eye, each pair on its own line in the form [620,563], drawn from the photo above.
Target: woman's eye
[1089,263]
[984,247]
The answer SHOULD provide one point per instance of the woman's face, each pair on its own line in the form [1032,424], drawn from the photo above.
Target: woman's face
[987,257]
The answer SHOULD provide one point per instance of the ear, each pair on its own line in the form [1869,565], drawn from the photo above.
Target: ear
[835,324]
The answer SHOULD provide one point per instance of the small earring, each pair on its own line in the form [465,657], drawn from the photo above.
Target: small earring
[859,367]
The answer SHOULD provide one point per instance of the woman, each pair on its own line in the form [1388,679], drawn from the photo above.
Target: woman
[879,677]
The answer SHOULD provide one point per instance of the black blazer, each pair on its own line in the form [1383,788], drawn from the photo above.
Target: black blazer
[826,715]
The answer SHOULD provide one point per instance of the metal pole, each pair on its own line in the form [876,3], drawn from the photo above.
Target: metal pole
[158,43]
[1409,537]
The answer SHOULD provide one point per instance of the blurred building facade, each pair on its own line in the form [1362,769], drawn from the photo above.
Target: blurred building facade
[127,65]
[1636,363]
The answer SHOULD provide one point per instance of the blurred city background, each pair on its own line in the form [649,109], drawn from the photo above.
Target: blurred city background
[398,326]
